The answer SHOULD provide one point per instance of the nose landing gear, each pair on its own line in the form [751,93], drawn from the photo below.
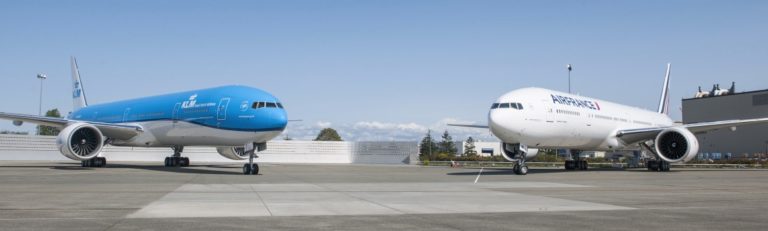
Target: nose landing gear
[252,168]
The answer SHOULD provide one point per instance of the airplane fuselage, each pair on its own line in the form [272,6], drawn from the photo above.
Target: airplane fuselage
[542,118]
[221,116]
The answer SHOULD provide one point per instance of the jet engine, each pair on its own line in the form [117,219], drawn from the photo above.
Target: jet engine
[80,141]
[511,152]
[233,153]
[676,144]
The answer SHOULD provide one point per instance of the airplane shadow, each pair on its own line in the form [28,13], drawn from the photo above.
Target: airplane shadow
[509,171]
[193,169]
[214,169]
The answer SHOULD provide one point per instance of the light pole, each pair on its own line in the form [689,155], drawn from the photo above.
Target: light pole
[40,107]
[569,66]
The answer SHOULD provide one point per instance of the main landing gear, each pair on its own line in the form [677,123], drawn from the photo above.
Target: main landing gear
[252,168]
[657,165]
[177,160]
[94,162]
[575,162]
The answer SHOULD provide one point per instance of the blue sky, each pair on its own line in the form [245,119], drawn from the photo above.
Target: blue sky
[379,70]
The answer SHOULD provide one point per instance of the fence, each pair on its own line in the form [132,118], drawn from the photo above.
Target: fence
[25,147]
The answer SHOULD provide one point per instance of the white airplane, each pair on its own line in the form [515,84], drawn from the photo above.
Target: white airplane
[528,119]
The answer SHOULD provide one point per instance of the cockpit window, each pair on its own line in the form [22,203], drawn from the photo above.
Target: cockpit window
[517,106]
[257,105]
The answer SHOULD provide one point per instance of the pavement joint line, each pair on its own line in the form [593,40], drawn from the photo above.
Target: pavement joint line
[262,201]
[369,201]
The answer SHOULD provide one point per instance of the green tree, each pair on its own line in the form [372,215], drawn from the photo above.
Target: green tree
[48,130]
[428,147]
[328,134]
[446,145]
[469,148]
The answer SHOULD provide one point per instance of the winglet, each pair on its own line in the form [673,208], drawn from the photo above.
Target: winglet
[664,101]
[78,92]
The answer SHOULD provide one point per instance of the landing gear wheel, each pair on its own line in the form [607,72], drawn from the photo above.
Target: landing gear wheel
[255,169]
[183,161]
[523,170]
[652,165]
[570,165]
[251,169]
[516,169]
[246,169]
[663,166]
[584,165]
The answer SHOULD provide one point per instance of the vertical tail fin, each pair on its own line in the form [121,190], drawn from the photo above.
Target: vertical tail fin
[664,101]
[78,94]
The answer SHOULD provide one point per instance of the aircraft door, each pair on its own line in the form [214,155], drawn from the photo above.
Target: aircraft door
[125,114]
[221,111]
[175,115]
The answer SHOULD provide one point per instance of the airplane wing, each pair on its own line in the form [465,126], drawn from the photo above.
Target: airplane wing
[631,136]
[115,131]
[41,120]
[468,125]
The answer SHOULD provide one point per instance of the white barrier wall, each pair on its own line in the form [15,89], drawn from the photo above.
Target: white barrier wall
[23,147]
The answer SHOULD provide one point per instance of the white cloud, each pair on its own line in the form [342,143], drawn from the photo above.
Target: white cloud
[323,124]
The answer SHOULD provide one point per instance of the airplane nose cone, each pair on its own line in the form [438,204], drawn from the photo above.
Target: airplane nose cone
[280,119]
[494,122]
[501,126]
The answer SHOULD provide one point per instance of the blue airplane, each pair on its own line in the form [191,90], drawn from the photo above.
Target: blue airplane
[237,120]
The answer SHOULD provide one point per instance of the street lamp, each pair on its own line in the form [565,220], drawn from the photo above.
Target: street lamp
[42,77]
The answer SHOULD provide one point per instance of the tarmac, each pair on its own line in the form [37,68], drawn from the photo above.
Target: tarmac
[45,195]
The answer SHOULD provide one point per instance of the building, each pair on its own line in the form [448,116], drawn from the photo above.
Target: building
[482,148]
[745,141]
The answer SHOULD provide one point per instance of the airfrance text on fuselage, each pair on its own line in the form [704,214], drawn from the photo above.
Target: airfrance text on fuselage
[565,100]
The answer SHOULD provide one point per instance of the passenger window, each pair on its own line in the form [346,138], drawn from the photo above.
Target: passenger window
[279,105]
[504,105]
[519,106]
[273,105]
[495,105]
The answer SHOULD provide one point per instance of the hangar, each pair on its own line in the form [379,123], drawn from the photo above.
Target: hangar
[746,141]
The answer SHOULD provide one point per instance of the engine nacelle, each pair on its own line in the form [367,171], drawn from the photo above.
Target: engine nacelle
[511,152]
[80,141]
[233,153]
[676,144]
